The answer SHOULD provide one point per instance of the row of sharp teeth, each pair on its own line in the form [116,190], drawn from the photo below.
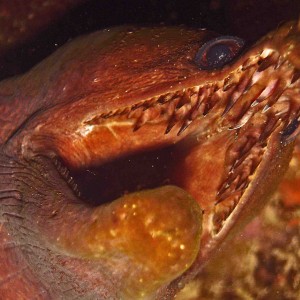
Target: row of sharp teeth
[65,173]
[250,152]
[239,178]
[184,106]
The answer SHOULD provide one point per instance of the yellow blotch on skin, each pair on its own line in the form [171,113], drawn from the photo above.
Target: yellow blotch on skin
[156,232]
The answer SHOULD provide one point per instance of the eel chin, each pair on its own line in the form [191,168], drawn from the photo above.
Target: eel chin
[143,194]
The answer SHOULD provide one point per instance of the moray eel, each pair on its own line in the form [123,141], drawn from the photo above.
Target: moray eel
[129,156]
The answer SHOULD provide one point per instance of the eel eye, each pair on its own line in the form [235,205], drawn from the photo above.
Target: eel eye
[218,52]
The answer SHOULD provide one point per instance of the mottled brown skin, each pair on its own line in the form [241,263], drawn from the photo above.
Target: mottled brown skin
[126,91]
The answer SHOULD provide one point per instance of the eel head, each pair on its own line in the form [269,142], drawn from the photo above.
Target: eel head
[130,155]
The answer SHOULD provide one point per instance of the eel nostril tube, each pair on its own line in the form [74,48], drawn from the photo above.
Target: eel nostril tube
[154,233]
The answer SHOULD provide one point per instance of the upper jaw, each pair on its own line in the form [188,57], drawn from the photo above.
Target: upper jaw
[85,108]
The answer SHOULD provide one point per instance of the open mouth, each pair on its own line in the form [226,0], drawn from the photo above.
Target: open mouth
[98,186]
[192,138]
[218,161]
[159,184]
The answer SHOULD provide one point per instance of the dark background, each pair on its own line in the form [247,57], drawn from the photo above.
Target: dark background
[248,19]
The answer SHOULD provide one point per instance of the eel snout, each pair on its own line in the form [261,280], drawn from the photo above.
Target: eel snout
[149,187]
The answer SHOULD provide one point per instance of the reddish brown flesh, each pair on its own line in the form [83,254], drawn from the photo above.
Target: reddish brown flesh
[90,100]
